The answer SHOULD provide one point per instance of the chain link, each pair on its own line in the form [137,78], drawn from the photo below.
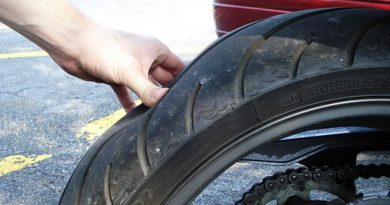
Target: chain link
[339,180]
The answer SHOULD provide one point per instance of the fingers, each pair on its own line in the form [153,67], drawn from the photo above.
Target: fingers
[152,94]
[124,97]
[163,72]
[148,90]
[161,75]
[172,63]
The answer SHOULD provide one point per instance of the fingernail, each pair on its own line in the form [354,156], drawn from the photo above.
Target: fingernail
[158,93]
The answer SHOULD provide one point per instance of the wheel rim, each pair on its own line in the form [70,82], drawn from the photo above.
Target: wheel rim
[369,112]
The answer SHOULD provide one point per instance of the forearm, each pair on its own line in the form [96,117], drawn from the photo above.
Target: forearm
[48,23]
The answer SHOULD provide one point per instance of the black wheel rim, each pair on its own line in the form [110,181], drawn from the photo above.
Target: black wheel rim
[368,112]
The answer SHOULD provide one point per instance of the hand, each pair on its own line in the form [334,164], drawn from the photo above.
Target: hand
[90,52]
[122,60]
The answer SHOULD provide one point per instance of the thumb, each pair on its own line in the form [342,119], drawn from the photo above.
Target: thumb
[152,94]
[149,93]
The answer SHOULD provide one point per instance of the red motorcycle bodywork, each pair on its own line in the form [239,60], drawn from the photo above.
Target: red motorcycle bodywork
[231,14]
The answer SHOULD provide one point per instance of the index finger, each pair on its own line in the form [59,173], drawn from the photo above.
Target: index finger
[173,64]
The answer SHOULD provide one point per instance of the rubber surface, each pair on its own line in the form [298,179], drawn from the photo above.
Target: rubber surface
[253,76]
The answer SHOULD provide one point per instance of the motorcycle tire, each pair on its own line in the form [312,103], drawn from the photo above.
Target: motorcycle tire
[271,79]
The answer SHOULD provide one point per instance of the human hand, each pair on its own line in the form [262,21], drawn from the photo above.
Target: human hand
[90,52]
[122,60]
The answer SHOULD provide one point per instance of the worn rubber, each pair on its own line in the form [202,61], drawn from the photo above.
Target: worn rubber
[254,76]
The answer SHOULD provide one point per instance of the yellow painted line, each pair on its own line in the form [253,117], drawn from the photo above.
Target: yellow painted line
[97,127]
[17,162]
[28,54]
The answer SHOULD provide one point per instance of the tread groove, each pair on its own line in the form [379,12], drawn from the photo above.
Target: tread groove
[356,38]
[298,57]
[240,73]
[239,93]
[107,191]
[77,197]
[189,113]
[142,154]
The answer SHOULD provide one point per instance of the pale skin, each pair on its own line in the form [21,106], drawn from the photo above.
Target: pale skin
[90,52]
